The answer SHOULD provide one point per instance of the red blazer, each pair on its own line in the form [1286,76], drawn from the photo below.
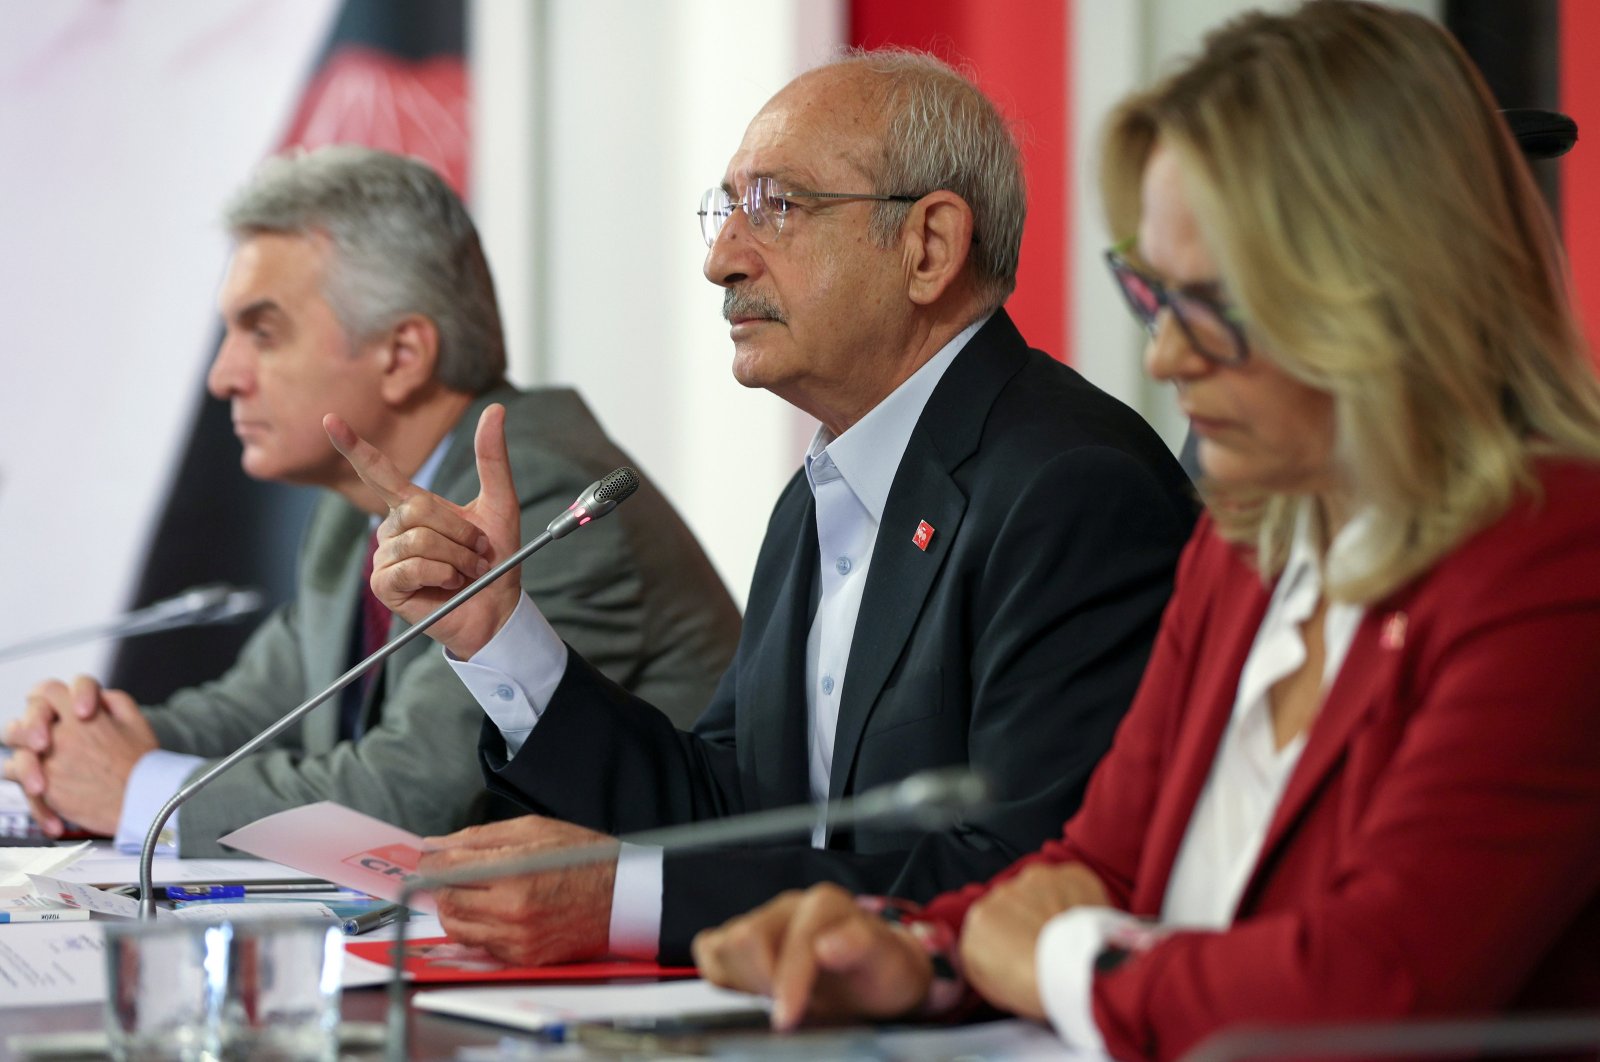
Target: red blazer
[1437,848]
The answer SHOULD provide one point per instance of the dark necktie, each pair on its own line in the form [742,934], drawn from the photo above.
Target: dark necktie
[372,630]
[374,615]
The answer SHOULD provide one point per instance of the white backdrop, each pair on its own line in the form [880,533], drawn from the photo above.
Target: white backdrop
[124,128]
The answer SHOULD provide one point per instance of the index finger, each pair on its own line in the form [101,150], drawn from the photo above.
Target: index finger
[370,463]
[499,834]
[441,862]
[795,972]
[85,696]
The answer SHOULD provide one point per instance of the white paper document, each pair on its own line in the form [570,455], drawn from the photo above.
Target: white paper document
[104,865]
[17,863]
[31,908]
[87,897]
[543,1007]
[52,963]
[330,841]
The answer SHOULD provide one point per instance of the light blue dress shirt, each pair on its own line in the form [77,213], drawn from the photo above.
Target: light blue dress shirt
[514,676]
[160,773]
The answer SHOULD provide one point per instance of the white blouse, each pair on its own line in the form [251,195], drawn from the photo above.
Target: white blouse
[1223,840]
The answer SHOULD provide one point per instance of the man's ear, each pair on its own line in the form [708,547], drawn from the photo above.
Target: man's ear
[410,353]
[937,239]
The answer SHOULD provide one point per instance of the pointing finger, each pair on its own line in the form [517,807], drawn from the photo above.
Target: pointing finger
[375,469]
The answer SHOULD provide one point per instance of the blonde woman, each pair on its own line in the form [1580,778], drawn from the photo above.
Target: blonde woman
[1361,778]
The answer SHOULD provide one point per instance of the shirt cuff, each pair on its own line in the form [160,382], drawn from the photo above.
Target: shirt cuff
[154,779]
[514,676]
[1064,965]
[636,903]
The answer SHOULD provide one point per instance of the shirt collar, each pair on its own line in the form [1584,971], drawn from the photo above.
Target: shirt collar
[1346,555]
[858,455]
[430,468]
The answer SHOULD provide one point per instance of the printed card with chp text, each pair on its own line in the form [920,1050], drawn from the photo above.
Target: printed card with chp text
[345,847]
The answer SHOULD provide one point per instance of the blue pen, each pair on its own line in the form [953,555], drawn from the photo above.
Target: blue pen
[205,892]
[234,892]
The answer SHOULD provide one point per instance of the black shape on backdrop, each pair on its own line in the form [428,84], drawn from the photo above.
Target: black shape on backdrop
[1517,48]
[1542,134]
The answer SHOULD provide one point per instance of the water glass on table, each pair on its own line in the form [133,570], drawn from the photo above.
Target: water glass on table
[267,991]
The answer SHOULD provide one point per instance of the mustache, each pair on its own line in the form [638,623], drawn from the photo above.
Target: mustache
[745,303]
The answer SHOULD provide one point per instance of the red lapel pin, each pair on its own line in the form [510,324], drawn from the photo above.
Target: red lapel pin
[1394,631]
[923,536]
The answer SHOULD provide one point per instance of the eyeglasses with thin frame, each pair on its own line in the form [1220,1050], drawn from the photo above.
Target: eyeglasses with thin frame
[1213,328]
[766,205]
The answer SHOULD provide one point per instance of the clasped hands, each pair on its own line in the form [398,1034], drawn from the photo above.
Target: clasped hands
[72,750]
[821,956]
[74,747]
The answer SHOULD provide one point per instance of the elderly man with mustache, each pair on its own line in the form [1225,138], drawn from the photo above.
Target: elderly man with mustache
[968,569]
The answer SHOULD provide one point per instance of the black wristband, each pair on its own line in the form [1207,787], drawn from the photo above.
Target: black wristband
[1111,956]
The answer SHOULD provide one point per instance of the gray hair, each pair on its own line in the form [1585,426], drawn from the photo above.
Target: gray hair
[403,242]
[942,132]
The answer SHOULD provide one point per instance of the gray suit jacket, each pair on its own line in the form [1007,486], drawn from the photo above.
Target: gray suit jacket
[633,593]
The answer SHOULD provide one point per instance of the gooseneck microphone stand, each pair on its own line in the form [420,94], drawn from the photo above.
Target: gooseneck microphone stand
[601,497]
[930,800]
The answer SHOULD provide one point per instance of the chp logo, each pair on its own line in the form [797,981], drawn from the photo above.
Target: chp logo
[395,861]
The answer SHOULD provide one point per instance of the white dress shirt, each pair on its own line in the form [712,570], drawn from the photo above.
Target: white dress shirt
[160,773]
[1229,823]
[515,675]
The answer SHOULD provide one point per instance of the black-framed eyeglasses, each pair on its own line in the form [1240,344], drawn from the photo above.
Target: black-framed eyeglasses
[1213,328]
[766,205]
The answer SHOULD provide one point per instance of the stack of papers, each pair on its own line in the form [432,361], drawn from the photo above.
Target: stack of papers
[19,901]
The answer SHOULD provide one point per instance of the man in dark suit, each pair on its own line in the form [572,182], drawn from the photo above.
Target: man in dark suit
[968,570]
[357,285]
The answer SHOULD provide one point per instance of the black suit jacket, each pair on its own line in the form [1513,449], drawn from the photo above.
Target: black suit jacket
[1012,643]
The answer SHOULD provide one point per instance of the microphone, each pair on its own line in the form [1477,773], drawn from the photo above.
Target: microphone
[600,498]
[196,606]
[929,800]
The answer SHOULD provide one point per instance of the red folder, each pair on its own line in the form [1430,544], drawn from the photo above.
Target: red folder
[437,960]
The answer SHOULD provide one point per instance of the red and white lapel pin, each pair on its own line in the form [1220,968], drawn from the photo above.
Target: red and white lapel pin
[1393,635]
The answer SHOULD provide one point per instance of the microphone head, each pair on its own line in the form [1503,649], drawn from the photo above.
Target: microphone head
[616,485]
[939,797]
[597,499]
[215,603]
[239,604]
[194,603]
